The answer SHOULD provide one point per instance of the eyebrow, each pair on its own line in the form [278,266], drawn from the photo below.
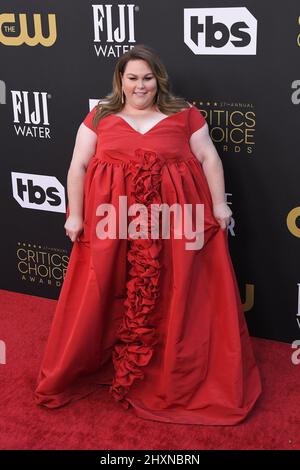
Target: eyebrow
[149,73]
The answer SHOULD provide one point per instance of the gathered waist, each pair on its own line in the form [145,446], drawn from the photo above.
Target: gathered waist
[141,155]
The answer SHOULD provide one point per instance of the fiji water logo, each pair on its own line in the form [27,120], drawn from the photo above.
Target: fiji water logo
[30,113]
[114,28]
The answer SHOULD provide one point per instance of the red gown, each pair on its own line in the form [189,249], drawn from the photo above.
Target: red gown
[161,326]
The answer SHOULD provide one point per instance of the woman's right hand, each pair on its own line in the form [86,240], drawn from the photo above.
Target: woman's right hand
[74,227]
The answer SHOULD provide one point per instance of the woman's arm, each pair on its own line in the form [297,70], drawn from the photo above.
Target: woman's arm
[204,149]
[84,149]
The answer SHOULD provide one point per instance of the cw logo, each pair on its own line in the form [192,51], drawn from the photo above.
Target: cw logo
[8,30]
[291,221]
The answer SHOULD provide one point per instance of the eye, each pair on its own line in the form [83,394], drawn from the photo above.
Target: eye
[147,78]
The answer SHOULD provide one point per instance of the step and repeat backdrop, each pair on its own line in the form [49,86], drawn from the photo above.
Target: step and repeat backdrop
[237,61]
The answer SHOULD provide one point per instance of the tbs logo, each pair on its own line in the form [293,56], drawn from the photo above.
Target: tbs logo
[222,31]
[40,192]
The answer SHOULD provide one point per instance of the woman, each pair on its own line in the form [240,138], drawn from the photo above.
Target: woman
[161,325]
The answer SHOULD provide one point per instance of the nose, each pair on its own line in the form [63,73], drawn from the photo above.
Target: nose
[140,85]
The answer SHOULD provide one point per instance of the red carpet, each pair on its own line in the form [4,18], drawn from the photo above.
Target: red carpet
[98,422]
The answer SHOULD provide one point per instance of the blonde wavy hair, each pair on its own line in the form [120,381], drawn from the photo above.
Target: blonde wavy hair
[165,100]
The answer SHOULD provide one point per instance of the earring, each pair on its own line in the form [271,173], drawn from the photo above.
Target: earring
[122,97]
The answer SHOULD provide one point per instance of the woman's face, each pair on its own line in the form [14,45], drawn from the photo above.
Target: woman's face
[139,84]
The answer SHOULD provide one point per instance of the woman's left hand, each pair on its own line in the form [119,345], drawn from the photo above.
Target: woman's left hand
[223,214]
